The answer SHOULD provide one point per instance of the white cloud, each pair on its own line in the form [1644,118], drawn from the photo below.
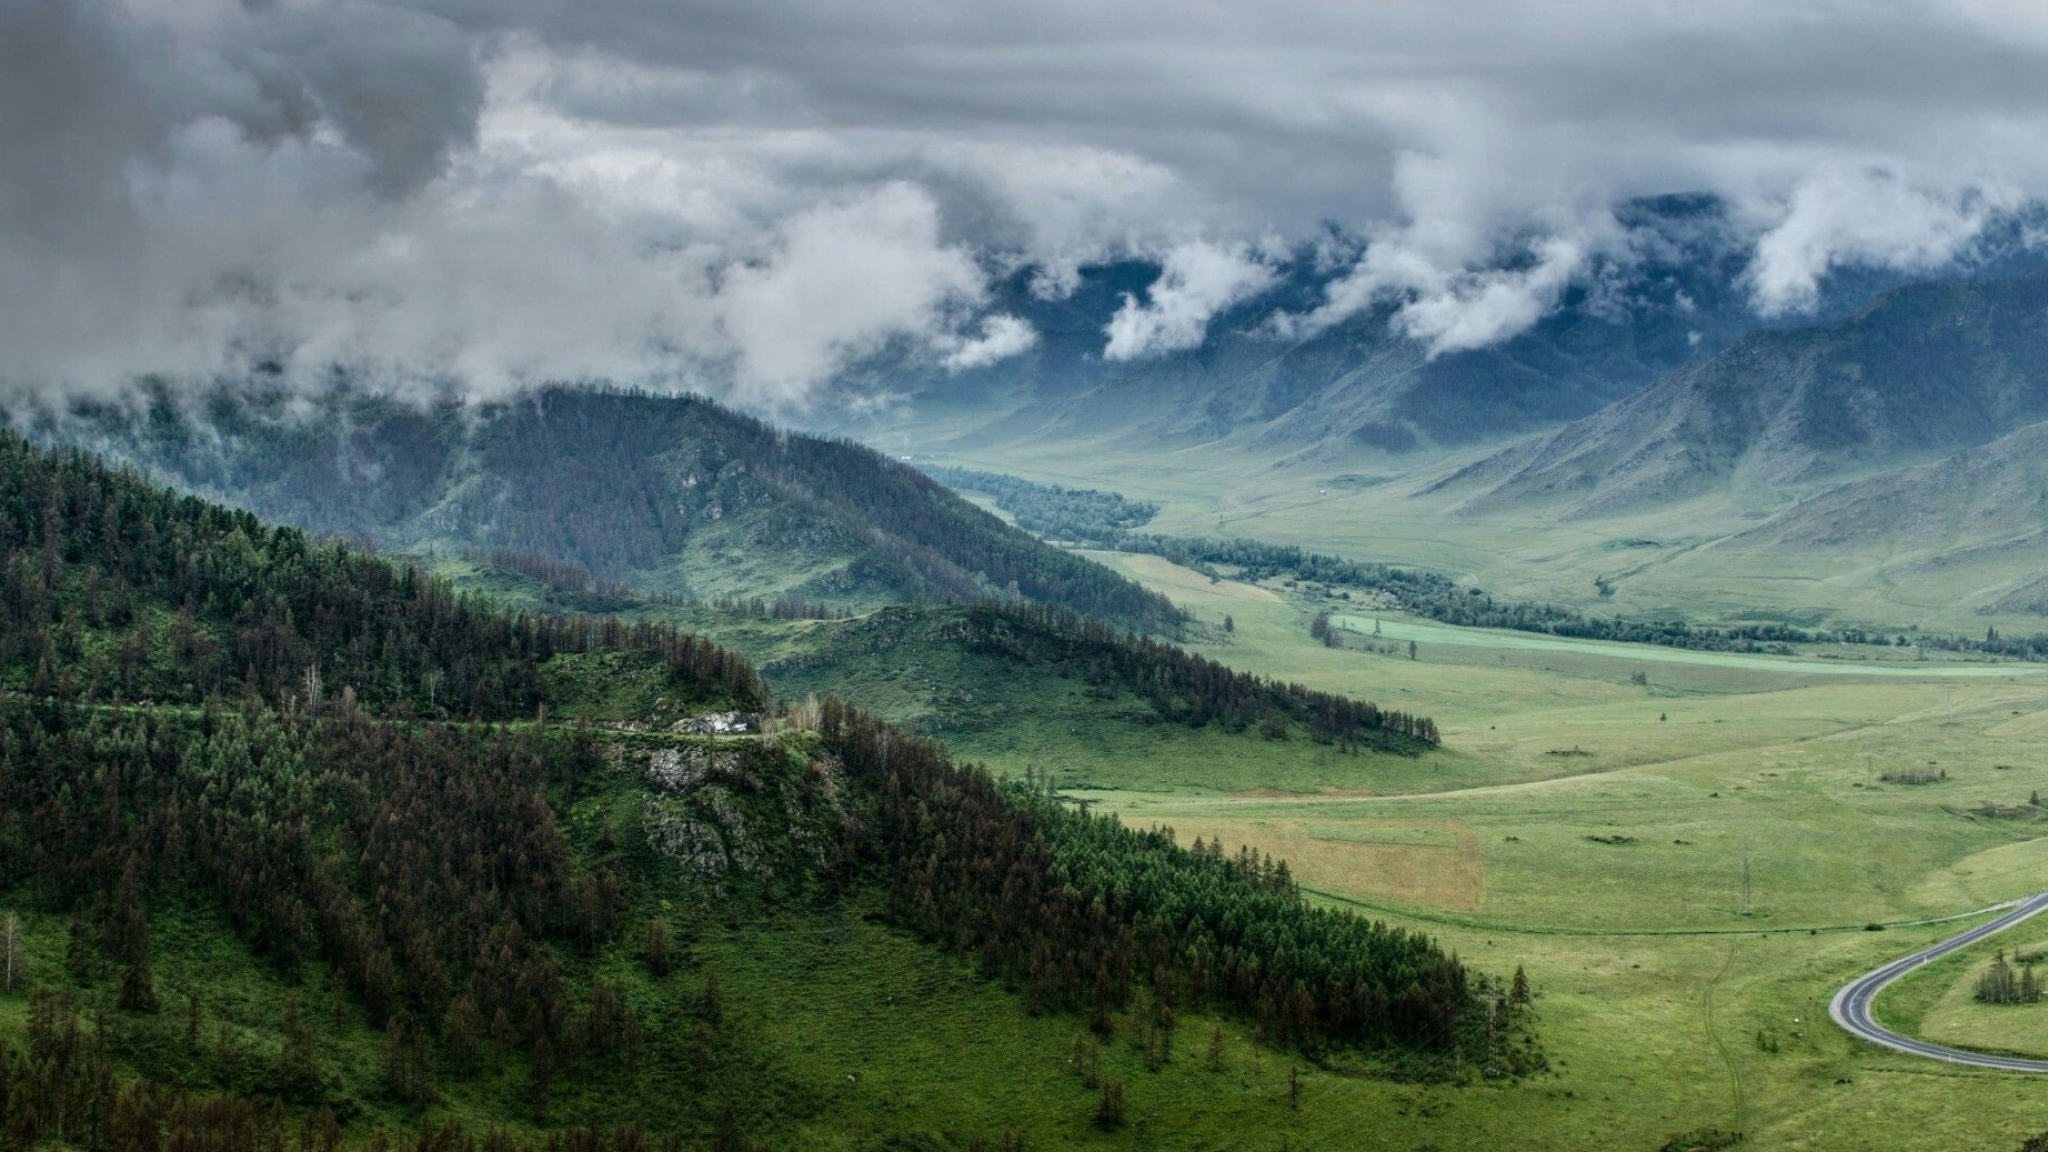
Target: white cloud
[1474,309]
[1449,308]
[1002,336]
[1867,217]
[839,281]
[1197,279]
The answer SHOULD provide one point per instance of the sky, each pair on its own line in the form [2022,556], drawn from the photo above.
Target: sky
[748,196]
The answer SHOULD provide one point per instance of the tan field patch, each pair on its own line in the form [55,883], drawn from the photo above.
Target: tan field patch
[1425,863]
[1325,794]
[1178,582]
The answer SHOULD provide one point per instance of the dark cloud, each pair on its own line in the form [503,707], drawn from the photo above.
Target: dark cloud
[755,192]
[403,87]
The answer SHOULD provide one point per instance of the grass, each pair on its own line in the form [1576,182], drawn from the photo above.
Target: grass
[1939,1002]
[1499,847]
[1665,563]
[1707,765]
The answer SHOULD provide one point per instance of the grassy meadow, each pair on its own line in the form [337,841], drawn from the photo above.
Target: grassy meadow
[1669,562]
[1605,847]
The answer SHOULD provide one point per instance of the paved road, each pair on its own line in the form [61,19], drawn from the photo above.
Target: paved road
[1851,1006]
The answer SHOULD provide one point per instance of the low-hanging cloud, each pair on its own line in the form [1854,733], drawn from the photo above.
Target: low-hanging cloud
[838,282]
[1001,337]
[1862,217]
[1196,281]
[752,198]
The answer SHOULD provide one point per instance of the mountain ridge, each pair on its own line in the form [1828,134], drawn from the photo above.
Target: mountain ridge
[670,494]
[1360,383]
[1924,370]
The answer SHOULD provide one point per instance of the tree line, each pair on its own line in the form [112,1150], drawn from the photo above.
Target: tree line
[1078,912]
[1184,687]
[112,587]
[1438,597]
[1079,515]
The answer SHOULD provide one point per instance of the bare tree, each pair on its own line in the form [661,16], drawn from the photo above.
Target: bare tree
[11,958]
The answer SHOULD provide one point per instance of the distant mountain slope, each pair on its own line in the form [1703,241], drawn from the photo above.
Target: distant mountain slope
[1990,493]
[1975,523]
[1927,368]
[1361,383]
[670,494]
[1356,384]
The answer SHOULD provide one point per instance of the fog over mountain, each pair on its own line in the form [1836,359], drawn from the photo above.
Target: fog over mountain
[750,198]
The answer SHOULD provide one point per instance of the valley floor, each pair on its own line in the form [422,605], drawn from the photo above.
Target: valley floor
[1686,560]
[1688,867]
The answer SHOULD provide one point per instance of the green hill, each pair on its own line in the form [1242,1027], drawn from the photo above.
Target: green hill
[298,845]
[666,494]
[1026,688]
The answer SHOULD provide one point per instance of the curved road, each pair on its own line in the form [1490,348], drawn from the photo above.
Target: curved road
[1851,1006]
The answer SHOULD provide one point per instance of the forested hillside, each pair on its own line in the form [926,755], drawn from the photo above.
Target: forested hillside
[297,845]
[670,494]
[1179,688]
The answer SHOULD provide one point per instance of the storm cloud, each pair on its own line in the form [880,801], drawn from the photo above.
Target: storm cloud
[749,197]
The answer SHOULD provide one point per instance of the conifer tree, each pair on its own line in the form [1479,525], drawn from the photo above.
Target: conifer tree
[297,1072]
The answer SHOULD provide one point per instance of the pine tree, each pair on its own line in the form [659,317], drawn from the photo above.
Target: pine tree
[195,1018]
[81,953]
[1518,990]
[462,1030]
[1109,1108]
[712,1003]
[297,1072]
[138,986]
[660,954]
[540,1078]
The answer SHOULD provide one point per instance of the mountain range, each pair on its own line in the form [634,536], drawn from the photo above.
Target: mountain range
[1924,370]
[1360,383]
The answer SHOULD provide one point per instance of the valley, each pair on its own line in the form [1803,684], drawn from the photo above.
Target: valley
[1621,866]
[1711,559]
[1686,849]
[1688,867]
[1023,577]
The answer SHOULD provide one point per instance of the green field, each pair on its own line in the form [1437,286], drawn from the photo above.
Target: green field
[1673,562]
[1606,850]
